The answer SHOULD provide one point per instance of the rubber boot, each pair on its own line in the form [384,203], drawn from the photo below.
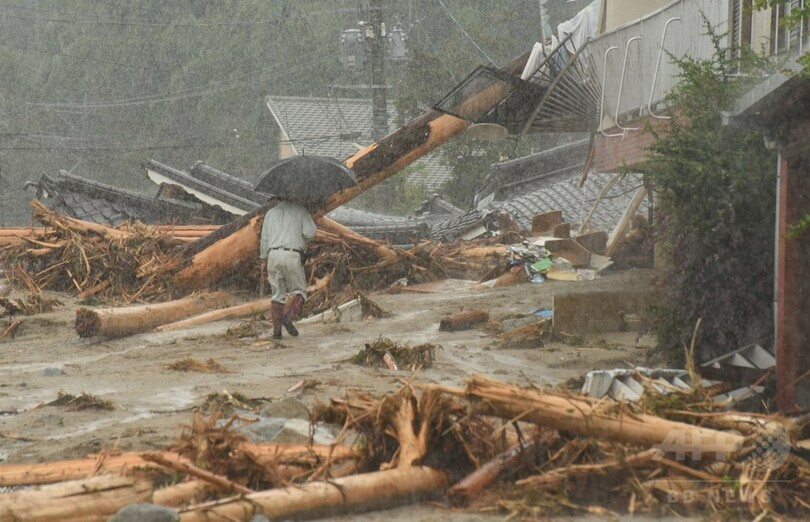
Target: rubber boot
[296,303]
[277,316]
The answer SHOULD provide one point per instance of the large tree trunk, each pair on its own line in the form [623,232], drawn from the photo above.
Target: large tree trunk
[582,417]
[89,500]
[378,490]
[204,261]
[120,322]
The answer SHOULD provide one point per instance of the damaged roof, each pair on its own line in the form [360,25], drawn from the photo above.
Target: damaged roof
[96,202]
[214,187]
[576,203]
[535,171]
[339,127]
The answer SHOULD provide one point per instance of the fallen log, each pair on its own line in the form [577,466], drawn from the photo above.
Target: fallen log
[233,312]
[90,500]
[63,470]
[203,262]
[120,322]
[364,492]
[182,493]
[463,320]
[584,417]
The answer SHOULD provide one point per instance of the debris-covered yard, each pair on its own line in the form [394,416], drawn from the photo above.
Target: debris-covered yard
[447,371]
[232,402]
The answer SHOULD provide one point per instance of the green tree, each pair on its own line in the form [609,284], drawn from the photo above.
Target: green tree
[395,195]
[715,188]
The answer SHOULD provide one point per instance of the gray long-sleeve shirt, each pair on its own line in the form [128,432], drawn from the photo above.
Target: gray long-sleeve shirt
[287,225]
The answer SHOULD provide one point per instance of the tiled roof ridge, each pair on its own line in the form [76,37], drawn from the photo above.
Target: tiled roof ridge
[211,190]
[82,183]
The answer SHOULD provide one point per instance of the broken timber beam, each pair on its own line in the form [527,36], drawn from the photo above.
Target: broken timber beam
[463,320]
[204,261]
[617,236]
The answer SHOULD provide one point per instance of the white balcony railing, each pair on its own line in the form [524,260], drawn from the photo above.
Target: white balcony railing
[634,64]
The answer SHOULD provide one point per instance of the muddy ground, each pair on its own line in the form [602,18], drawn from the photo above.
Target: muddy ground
[152,403]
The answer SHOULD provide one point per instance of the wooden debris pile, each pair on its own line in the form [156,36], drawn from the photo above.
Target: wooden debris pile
[526,451]
[341,266]
[31,305]
[85,401]
[385,353]
[190,364]
[136,263]
[91,260]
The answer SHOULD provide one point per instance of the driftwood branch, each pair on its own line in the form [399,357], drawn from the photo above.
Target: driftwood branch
[184,466]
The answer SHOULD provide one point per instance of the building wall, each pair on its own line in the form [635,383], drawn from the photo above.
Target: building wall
[285,148]
[616,153]
[620,12]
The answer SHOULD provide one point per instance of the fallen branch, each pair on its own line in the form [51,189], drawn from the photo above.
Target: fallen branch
[184,466]
[516,457]
[559,475]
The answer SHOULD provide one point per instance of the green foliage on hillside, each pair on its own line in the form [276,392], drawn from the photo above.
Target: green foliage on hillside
[716,201]
[103,85]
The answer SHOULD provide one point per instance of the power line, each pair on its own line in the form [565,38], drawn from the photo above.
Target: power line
[213,88]
[466,33]
[151,23]
[62,53]
[133,148]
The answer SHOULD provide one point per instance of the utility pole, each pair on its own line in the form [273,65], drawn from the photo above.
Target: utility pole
[377,48]
[540,10]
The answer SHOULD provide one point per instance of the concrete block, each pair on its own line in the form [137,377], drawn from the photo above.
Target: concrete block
[603,311]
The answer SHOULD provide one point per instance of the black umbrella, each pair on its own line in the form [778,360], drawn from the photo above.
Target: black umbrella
[308,180]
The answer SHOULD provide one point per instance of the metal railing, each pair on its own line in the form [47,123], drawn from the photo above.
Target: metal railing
[647,73]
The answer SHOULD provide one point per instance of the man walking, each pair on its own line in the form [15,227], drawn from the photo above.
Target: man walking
[287,229]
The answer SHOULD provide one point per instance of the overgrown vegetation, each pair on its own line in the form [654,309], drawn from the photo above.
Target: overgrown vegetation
[715,187]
